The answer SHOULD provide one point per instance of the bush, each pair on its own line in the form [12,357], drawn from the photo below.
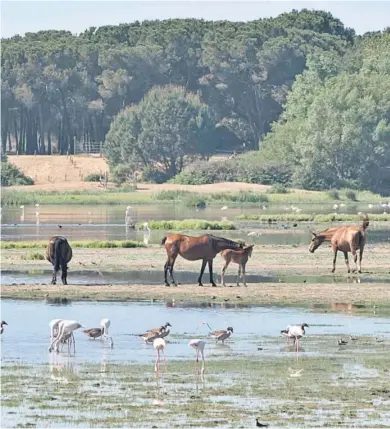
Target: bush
[188,225]
[245,168]
[94,177]
[278,189]
[333,194]
[122,173]
[240,197]
[351,195]
[154,175]
[32,256]
[11,175]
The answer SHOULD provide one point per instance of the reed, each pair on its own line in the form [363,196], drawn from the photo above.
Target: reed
[82,244]
[188,225]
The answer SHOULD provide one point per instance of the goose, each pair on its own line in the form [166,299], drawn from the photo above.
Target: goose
[149,337]
[221,335]
[93,332]
[157,330]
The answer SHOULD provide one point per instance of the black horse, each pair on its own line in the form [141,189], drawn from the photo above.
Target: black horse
[59,253]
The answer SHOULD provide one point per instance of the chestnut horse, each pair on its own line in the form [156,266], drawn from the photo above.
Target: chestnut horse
[205,247]
[343,238]
[59,253]
[239,257]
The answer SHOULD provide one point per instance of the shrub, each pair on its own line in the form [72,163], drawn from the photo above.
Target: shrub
[188,224]
[31,256]
[278,189]
[11,175]
[334,194]
[122,173]
[154,175]
[240,197]
[94,177]
[351,195]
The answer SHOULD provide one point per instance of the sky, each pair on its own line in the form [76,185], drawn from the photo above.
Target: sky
[19,17]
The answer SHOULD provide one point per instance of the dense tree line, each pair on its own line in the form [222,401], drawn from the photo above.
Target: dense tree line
[302,88]
[60,88]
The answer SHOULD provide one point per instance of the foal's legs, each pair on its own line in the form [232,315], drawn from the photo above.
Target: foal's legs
[243,274]
[204,262]
[211,273]
[238,275]
[334,259]
[223,272]
[346,261]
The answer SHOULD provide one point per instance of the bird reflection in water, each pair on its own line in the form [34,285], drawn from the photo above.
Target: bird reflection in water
[62,368]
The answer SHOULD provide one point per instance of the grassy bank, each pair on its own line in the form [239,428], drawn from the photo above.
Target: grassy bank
[188,224]
[300,217]
[188,198]
[82,244]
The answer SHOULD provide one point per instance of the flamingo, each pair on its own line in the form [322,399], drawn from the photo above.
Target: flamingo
[65,327]
[104,325]
[159,345]
[54,327]
[295,331]
[199,346]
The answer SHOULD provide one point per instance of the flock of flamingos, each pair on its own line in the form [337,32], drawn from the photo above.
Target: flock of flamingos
[347,239]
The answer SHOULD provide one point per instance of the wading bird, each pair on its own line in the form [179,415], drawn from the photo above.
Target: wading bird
[104,325]
[221,335]
[158,330]
[93,332]
[65,327]
[159,345]
[149,337]
[295,331]
[199,346]
[54,328]
[1,326]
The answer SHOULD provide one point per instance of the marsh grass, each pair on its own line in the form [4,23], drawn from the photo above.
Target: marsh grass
[189,224]
[33,256]
[82,244]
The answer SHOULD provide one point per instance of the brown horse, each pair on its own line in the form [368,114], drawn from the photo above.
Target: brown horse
[59,253]
[205,247]
[239,257]
[343,238]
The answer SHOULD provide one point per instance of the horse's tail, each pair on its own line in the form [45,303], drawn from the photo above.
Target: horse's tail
[163,240]
[365,222]
[58,257]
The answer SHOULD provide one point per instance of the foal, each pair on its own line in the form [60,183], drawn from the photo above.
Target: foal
[239,257]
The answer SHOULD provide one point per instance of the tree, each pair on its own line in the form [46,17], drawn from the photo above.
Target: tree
[168,128]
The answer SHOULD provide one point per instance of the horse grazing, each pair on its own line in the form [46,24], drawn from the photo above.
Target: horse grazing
[346,239]
[239,257]
[59,253]
[205,247]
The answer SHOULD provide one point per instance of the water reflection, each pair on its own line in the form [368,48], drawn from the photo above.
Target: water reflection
[62,368]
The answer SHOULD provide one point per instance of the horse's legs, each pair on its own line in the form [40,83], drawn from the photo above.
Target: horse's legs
[166,266]
[172,260]
[243,274]
[211,273]
[346,261]
[355,257]
[223,273]
[334,259]
[54,278]
[204,262]
[64,274]
[360,259]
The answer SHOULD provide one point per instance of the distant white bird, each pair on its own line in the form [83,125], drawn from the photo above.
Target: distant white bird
[370,206]
[159,345]
[335,206]
[37,216]
[254,234]
[104,325]
[146,226]
[128,215]
[295,331]
[224,208]
[36,205]
[342,205]
[199,346]
[22,215]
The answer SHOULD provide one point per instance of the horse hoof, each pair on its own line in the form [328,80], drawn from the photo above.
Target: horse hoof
[200,284]
[167,284]
[213,285]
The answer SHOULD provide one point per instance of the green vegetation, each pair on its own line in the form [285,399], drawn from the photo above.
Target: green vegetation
[278,189]
[83,244]
[11,175]
[93,177]
[189,224]
[32,256]
[301,217]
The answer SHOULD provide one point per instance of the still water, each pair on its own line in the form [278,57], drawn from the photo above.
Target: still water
[26,338]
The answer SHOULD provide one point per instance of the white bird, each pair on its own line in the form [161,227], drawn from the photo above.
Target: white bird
[159,345]
[54,328]
[370,206]
[128,215]
[104,325]
[37,216]
[36,205]
[335,206]
[295,331]
[342,205]
[254,234]
[224,208]
[199,346]
[65,327]
[146,227]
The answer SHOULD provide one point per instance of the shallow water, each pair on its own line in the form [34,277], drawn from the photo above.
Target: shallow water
[26,338]
[183,277]
[106,222]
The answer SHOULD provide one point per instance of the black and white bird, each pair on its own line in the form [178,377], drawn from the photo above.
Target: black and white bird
[2,326]
[221,335]
[295,331]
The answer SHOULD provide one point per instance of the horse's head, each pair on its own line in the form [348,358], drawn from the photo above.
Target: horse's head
[249,249]
[316,241]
